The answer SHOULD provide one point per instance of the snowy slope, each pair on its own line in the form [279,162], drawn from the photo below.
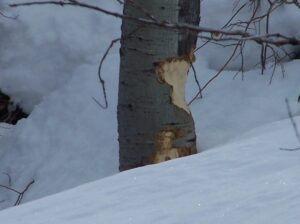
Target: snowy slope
[48,64]
[249,181]
[44,47]
[231,106]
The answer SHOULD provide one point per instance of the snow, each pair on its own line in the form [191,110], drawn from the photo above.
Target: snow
[44,47]
[49,58]
[249,181]
[67,139]
[234,106]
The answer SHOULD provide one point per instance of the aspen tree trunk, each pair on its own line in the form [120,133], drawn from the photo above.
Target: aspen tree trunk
[154,121]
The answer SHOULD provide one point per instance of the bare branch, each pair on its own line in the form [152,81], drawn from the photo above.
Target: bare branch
[215,76]
[20,193]
[197,81]
[9,178]
[9,188]
[102,82]
[294,124]
[292,119]
[289,150]
[293,2]
[8,17]
[275,39]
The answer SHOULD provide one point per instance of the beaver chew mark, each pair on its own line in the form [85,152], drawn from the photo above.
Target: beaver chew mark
[174,72]
[164,148]
[8,112]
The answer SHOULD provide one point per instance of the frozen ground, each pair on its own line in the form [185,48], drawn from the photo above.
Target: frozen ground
[48,64]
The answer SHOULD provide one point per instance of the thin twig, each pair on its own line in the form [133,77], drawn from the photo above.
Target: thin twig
[8,17]
[20,193]
[295,127]
[289,150]
[214,77]
[294,124]
[281,39]
[9,178]
[197,81]
[102,81]
[9,188]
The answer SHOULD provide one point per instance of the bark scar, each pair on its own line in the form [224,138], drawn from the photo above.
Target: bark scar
[165,149]
[174,72]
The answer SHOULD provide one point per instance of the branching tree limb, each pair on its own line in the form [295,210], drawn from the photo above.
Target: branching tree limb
[8,17]
[102,82]
[293,2]
[19,193]
[274,39]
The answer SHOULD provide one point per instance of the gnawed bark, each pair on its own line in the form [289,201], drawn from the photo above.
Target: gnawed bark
[154,122]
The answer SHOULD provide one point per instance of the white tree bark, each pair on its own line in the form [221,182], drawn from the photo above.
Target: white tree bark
[154,121]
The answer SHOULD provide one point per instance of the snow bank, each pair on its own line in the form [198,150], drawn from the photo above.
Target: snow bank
[67,140]
[232,106]
[49,59]
[48,64]
[249,181]
[41,50]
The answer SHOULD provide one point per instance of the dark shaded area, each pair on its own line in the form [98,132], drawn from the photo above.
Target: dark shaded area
[297,56]
[8,112]
[295,52]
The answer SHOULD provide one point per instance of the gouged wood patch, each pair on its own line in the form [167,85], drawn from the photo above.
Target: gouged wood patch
[174,72]
[164,147]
